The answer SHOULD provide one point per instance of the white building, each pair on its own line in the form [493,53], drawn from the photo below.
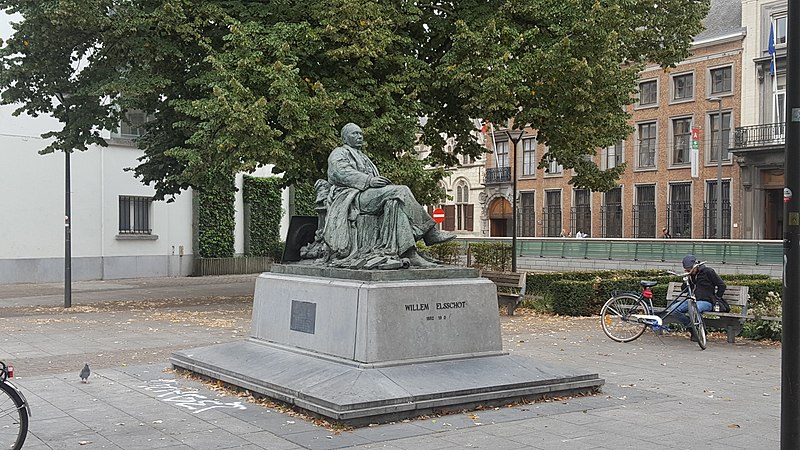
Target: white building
[464,190]
[117,231]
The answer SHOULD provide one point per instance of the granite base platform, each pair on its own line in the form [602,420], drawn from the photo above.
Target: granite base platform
[361,351]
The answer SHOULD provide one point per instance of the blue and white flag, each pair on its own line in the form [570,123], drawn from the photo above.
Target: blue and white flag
[771,50]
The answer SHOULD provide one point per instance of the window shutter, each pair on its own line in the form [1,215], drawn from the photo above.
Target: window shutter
[449,217]
[430,210]
[470,210]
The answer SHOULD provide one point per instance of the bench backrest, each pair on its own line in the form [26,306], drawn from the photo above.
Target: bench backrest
[507,280]
[734,295]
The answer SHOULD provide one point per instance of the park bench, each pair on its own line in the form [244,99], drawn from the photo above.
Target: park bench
[510,288]
[732,322]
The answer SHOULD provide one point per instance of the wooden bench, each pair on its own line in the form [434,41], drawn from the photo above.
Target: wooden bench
[732,322]
[510,288]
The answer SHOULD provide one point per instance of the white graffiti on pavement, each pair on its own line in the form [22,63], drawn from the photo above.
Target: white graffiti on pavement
[168,391]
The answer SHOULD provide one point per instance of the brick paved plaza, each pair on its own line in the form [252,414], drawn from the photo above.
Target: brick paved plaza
[660,392]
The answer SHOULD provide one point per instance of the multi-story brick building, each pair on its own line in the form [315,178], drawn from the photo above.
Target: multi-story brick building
[661,186]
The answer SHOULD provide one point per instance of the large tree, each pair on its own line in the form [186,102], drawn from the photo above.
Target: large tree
[233,85]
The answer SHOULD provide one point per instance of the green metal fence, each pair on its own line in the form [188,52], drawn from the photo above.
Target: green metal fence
[710,250]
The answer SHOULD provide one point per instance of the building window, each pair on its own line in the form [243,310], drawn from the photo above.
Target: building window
[779,26]
[529,157]
[720,141]
[681,137]
[134,215]
[612,213]
[648,93]
[527,214]
[721,80]
[683,87]
[581,212]
[779,102]
[710,213]
[613,155]
[554,168]
[644,212]
[552,213]
[132,126]
[502,154]
[679,210]
[647,145]
[463,210]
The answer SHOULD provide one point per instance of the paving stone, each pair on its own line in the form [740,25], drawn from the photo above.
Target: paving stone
[660,393]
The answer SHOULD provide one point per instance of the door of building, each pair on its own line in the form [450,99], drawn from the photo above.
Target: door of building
[773,214]
[500,215]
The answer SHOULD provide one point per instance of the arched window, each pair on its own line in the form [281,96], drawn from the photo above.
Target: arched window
[463,210]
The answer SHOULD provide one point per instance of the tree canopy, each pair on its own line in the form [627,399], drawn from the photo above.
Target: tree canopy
[234,85]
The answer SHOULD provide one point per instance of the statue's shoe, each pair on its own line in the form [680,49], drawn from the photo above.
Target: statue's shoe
[434,236]
[416,260]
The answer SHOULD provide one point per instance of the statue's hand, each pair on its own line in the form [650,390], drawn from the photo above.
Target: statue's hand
[377,182]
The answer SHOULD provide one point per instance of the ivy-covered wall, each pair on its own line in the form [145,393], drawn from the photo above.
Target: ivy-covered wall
[304,199]
[262,196]
[216,220]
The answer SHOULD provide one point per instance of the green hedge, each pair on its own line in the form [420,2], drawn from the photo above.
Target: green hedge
[305,200]
[493,256]
[216,219]
[447,252]
[263,197]
[584,293]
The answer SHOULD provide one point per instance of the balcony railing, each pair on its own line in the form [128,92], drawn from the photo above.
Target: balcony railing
[498,175]
[760,135]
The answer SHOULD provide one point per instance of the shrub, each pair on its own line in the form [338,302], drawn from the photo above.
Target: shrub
[263,198]
[571,298]
[447,252]
[765,329]
[494,256]
[216,218]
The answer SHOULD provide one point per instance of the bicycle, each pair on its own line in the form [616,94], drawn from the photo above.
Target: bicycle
[14,411]
[626,316]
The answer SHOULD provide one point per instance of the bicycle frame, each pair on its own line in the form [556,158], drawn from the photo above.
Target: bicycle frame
[656,321]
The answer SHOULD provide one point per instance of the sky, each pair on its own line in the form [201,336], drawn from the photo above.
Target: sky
[5,26]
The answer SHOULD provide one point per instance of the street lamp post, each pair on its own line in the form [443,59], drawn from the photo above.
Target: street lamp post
[67,233]
[514,136]
[64,98]
[718,233]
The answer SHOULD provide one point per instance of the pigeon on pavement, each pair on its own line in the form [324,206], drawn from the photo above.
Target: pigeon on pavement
[85,373]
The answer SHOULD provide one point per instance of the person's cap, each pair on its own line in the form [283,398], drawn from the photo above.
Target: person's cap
[689,261]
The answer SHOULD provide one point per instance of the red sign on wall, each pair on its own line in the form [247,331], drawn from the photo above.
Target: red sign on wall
[438,215]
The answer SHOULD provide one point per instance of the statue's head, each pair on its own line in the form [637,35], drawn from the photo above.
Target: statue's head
[352,135]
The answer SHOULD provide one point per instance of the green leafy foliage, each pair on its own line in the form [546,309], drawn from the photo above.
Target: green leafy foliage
[572,298]
[447,252]
[770,306]
[595,287]
[492,256]
[217,219]
[305,200]
[262,197]
[238,84]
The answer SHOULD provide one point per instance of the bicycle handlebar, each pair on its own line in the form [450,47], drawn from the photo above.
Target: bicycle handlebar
[697,264]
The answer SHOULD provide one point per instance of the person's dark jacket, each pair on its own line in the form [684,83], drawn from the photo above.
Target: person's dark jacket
[707,284]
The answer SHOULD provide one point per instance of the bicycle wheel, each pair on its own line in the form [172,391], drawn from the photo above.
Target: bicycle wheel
[13,419]
[697,324]
[615,316]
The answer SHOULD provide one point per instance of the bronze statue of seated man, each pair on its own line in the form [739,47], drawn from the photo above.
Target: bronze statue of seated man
[367,222]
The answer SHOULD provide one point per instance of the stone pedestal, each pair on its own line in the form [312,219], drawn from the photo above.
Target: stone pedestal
[366,346]
[378,323]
